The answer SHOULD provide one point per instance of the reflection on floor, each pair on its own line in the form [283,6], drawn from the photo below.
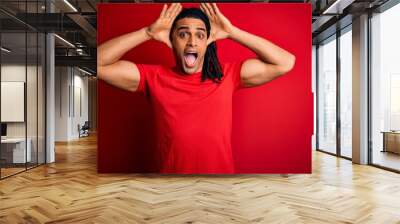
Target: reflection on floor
[71,191]
[386,159]
[10,169]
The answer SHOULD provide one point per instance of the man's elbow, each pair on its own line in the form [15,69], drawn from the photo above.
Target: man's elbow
[100,58]
[290,62]
[100,71]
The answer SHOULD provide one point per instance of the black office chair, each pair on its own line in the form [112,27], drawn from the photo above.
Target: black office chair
[84,130]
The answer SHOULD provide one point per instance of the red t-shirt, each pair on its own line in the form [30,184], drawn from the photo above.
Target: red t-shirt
[193,118]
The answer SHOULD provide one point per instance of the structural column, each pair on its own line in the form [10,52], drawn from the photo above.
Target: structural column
[50,92]
[360,89]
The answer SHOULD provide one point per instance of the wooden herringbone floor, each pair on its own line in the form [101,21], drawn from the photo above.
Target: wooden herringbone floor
[71,191]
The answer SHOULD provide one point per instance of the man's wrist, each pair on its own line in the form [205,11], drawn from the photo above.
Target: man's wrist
[147,32]
[234,33]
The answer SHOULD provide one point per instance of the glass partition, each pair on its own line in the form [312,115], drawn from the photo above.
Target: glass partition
[22,101]
[327,95]
[346,93]
[41,87]
[385,88]
[32,95]
[14,153]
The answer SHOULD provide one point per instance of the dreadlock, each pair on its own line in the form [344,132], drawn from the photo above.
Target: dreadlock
[211,66]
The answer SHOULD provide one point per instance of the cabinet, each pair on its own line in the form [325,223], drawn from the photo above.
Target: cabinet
[13,150]
[391,141]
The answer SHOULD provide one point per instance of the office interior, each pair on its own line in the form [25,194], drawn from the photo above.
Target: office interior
[38,107]
[49,85]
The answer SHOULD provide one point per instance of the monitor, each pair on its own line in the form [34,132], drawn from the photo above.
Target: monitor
[3,129]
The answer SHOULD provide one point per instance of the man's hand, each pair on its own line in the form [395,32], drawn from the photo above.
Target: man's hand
[272,60]
[161,28]
[221,27]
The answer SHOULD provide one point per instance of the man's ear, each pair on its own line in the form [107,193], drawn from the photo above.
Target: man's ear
[209,41]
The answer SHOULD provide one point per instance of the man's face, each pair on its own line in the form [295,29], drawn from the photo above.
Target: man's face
[189,41]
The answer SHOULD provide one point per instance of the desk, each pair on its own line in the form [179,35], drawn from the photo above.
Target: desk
[13,150]
[391,141]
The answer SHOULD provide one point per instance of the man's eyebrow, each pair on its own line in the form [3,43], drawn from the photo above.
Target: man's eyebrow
[183,27]
[186,27]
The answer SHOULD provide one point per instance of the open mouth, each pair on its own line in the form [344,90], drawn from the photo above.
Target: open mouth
[190,59]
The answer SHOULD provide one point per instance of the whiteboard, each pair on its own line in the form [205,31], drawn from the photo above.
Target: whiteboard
[12,101]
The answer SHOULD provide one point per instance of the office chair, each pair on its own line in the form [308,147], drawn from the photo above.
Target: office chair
[84,130]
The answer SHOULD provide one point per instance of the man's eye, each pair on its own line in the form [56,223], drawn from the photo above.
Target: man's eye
[200,35]
[182,35]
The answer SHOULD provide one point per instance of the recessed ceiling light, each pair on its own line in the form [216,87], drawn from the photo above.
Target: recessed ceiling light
[337,7]
[64,40]
[5,50]
[70,5]
[84,71]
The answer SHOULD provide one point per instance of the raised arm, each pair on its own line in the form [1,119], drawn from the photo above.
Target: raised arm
[120,73]
[272,60]
[125,74]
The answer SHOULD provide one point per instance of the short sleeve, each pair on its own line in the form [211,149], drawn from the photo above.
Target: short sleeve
[232,69]
[146,73]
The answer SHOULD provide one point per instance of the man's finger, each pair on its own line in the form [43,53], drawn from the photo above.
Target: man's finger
[176,11]
[206,10]
[164,9]
[171,9]
[215,8]
[210,10]
[168,12]
[203,9]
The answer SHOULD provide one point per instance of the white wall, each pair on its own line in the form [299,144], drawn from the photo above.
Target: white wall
[15,72]
[71,93]
[33,127]
[62,78]
[314,91]
[92,96]
[80,84]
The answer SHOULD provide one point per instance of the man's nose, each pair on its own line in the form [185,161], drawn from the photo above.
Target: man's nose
[192,41]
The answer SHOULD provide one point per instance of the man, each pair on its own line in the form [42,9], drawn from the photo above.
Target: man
[193,100]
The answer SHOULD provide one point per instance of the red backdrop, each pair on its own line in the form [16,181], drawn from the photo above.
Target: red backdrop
[272,124]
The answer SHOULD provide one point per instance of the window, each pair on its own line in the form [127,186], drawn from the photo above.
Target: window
[346,93]
[385,86]
[327,95]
